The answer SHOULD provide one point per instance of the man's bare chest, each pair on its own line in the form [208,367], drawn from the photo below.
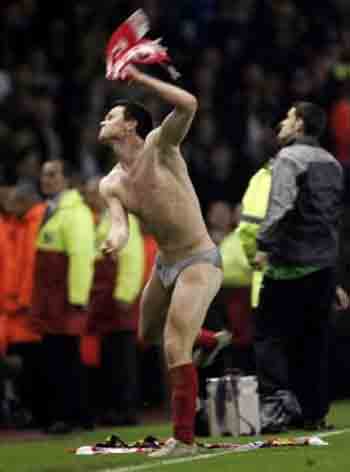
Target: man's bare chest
[144,189]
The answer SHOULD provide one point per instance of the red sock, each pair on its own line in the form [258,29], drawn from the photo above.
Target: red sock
[206,339]
[184,389]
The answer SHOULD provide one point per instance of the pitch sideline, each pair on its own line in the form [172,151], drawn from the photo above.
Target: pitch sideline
[180,460]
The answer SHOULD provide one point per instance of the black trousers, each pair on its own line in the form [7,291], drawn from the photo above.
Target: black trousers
[29,382]
[291,339]
[63,384]
[120,372]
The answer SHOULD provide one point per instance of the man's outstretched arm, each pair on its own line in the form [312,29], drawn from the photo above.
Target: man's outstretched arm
[176,125]
[119,232]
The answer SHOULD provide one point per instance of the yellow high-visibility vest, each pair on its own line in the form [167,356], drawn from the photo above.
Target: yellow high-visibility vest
[238,249]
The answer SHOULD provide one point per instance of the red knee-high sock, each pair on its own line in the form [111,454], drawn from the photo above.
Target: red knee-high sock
[184,389]
[206,339]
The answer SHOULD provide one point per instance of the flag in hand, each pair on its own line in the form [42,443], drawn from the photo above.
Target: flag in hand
[127,45]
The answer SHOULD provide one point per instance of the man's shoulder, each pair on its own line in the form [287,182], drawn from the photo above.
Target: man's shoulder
[152,138]
[151,142]
[170,156]
[110,182]
[304,157]
[290,154]
[307,151]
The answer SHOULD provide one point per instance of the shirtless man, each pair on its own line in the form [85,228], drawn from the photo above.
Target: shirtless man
[151,181]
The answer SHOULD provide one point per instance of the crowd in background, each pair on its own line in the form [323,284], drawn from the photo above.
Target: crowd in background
[246,61]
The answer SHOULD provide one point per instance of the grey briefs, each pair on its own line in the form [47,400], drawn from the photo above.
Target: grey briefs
[169,273]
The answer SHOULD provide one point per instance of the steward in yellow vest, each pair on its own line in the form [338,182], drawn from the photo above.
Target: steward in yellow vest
[118,282]
[64,266]
[238,249]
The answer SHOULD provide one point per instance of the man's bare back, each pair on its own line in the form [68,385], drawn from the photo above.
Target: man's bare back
[158,190]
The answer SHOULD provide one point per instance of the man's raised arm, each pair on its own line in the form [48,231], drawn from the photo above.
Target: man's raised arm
[176,125]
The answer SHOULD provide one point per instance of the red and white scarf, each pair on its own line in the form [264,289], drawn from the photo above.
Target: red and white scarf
[127,45]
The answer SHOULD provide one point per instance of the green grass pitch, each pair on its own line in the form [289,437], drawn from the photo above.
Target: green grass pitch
[51,454]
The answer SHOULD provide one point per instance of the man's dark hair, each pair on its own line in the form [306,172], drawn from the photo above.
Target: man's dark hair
[136,111]
[313,116]
[67,168]
[26,191]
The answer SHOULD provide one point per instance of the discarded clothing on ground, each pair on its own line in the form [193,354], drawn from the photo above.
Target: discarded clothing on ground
[115,445]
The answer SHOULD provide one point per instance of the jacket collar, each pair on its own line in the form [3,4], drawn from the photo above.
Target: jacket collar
[308,140]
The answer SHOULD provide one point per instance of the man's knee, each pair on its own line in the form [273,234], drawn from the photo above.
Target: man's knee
[177,351]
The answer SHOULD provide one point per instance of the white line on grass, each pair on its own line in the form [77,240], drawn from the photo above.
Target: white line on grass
[179,460]
[333,433]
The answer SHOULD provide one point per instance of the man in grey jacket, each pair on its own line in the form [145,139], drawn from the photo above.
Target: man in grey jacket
[298,246]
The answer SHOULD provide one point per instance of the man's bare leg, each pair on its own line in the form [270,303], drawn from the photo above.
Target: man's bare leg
[195,289]
[155,302]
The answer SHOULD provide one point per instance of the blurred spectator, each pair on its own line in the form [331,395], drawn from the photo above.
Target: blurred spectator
[27,212]
[5,85]
[4,199]
[340,131]
[4,271]
[219,220]
[236,232]
[116,286]
[27,169]
[44,116]
[88,163]
[24,204]
[340,124]
[63,277]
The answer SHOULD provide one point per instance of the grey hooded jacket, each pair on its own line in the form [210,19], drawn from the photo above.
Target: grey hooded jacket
[305,206]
